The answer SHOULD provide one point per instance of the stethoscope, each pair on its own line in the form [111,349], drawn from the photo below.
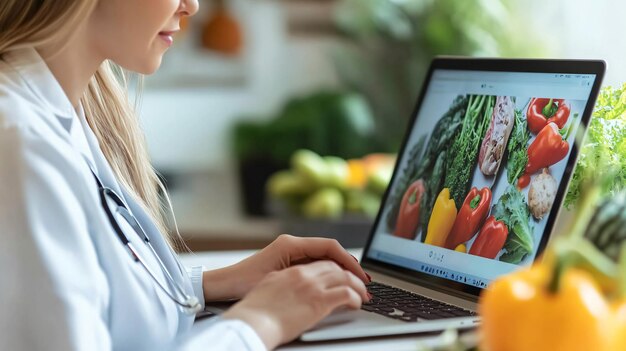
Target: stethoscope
[189,304]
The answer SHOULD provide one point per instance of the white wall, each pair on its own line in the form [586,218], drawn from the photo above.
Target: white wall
[585,29]
[188,127]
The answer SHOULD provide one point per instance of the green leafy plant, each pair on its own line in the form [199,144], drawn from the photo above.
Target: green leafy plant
[390,44]
[328,122]
[604,147]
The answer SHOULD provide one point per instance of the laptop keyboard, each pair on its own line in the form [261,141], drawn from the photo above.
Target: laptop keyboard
[407,306]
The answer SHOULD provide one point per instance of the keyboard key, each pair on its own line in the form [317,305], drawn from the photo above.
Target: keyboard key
[406,306]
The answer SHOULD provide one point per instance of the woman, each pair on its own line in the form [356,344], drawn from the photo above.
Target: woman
[77,194]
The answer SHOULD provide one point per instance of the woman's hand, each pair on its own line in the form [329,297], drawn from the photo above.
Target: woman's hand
[287,302]
[236,281]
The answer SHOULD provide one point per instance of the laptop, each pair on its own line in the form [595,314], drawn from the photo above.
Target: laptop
[475,192]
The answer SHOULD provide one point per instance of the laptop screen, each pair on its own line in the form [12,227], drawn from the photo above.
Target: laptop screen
[480,172]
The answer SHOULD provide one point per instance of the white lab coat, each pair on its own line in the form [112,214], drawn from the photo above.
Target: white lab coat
[66,280]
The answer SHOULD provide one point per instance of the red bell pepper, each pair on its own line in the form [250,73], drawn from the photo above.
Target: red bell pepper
[548,148]
[409,215]
[473,212]
[542,111]
[523,181]
[491,239]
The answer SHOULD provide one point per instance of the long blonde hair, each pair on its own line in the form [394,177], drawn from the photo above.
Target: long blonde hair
[111,116]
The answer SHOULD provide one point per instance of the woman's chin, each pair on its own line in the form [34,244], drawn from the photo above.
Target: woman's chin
[145,66]
[150,67]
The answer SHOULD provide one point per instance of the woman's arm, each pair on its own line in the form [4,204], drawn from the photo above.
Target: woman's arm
[53,289]
[54,294]
[223,284]
[286,303]
[289,286]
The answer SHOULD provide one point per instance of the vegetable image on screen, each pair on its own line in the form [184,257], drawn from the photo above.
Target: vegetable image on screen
[409,216]
[427,160]
[464,149]
[518,146]
[441,222]
[513,211]
[491,239]
[494,144]
[434,186]
[542,193]
[547,118]
[547,149]
[542,111]
[471,215]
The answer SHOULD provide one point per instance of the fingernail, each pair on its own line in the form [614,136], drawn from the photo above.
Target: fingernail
[370,296]
[356,259]
[368,277]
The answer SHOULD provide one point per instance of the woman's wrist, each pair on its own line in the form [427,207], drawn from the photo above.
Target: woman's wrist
[225,283]
[217,285]
[267,328]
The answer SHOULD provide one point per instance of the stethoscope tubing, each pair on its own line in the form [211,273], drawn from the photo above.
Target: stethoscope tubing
[191,305]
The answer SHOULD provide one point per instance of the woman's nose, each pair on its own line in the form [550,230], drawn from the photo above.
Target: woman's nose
[188,7]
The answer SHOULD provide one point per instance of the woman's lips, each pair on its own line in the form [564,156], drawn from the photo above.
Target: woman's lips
[167,37]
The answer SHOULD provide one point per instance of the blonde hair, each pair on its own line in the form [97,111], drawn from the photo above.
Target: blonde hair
[31,23]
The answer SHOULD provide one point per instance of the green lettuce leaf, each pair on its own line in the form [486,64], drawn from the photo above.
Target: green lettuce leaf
[513,211]
[604,147]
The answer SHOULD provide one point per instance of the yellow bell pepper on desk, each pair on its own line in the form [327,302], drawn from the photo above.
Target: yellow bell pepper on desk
[441,220]
[574,300]
[619,338]
[520,313]
[619,307]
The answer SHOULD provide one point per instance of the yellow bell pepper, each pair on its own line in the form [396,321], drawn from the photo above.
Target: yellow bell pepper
[619,330]
[461,248]
[558,304]
[619,333]
[441,220]
[573,300]
[520,314]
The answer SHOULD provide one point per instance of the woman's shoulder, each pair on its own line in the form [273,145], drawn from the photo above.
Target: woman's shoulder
[25,84]
[25,124]
[15,106]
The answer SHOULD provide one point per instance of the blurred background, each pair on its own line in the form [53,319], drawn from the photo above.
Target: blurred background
[250,82]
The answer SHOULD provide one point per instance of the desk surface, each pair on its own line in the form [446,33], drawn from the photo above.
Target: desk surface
[213,260]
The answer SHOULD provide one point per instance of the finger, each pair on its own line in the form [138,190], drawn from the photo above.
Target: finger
[330,275]
[342,296]
[334,279]
[322,248]
[321,267]
[305,250]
